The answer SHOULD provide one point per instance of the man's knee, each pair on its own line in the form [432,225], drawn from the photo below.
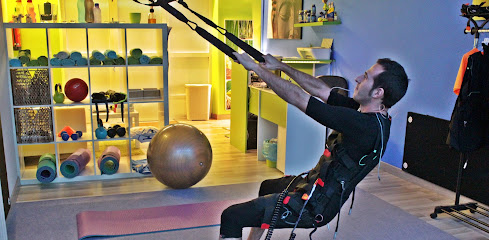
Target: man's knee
[227,215]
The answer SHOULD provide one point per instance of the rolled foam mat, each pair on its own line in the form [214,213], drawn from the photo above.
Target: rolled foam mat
[46,168]
[108,163]
[110,54]
[75,163]
[150,220]
[144,59]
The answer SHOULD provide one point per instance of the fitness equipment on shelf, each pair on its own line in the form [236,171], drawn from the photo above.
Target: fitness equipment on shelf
[116,130]
[179,155]
[58,97]
[109,97]
[100,132]
[108,163]
[76,89]
[75,163]
[46,168]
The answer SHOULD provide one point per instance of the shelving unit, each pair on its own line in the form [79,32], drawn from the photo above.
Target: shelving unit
[315,24]
[137,111]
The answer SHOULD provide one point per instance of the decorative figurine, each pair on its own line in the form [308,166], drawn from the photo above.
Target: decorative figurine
[322,17]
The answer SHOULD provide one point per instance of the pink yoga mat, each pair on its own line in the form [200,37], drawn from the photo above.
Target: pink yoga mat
[149,220]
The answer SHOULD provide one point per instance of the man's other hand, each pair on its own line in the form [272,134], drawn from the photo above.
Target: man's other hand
[271,62]
[245,60]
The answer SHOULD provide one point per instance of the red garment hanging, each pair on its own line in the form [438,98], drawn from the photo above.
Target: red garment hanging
[461,70]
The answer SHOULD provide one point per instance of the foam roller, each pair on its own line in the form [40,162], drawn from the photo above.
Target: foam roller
[108,163]
[75,163]
[46,168]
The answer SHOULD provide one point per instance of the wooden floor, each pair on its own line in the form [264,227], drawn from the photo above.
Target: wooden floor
[230,166]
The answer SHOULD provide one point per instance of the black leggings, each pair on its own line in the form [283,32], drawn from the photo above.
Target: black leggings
[250,214]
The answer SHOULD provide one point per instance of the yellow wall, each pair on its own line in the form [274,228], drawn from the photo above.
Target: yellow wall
[230,10]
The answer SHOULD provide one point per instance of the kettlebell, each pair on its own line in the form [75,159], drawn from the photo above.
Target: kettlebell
[58,97]
[100,132]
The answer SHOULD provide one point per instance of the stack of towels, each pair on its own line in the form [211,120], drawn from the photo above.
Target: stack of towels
[63,58]
[137,57]
[109,57]
[24,60]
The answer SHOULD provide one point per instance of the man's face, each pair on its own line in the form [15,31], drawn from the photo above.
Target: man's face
[364,84]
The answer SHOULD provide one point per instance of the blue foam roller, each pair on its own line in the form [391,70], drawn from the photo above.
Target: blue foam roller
[81,62]
[144,59]
[75,55]
[55,62]
[46,168]
[111,54]
[15,62]
[67,62]
[98,55]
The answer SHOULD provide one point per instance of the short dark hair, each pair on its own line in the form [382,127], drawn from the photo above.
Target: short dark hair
[393,80]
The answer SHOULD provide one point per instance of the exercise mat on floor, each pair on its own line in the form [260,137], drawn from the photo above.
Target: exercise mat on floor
[46,168]
[75,163]
[150,220]
[108,163]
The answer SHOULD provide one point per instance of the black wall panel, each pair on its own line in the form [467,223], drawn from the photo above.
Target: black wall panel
[426,155]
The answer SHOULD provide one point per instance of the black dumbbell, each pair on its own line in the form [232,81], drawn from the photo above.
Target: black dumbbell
[116,129]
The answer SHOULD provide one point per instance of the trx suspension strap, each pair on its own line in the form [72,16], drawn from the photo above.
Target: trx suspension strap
[206,35]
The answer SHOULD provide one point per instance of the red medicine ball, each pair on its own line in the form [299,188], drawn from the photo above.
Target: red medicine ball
[76,90]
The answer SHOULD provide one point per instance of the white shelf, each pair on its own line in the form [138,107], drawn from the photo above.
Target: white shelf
[28,174]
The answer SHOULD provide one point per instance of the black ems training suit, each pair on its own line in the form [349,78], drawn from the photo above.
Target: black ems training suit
[355,148]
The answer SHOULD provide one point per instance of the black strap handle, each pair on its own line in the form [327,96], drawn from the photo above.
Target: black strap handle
[216,42]
[257,55]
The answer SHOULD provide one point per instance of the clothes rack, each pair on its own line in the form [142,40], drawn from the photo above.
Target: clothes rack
[456,210]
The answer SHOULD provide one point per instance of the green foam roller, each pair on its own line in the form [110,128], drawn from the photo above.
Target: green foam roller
[32,63]
[98,55]
[136,52]
[46,168]
[43,61]
[132,60]
[94,61]
[24,59]
[156,60]
[119,61]
[107,61]
[25,52]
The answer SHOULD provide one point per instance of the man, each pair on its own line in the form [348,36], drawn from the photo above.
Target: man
[361,127]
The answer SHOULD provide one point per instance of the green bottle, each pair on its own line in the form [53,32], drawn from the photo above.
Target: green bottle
[81,10]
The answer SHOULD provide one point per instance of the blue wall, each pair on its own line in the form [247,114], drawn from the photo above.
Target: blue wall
[426,37]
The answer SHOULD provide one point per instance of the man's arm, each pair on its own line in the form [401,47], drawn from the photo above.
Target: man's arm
[309,83]
[288,91]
